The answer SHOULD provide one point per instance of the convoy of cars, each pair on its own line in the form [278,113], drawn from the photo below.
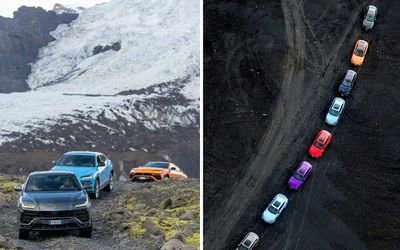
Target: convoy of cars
[321,141]
[59,199]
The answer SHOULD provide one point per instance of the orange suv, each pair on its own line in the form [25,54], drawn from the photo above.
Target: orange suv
[157,171]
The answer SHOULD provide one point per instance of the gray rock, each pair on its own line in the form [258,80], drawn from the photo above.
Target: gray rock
[173,244]
[120,211]
[140,206]
[152,228]
[187,216]
[167,204]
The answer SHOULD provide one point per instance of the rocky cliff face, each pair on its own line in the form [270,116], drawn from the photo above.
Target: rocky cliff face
[21,38]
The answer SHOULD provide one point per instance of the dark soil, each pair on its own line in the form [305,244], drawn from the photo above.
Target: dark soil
[352,199]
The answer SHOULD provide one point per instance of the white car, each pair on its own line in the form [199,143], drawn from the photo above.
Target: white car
[370,17]
[335,111]
[249,242]
[275,208]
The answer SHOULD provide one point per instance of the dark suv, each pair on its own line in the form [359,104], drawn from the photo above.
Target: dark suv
[53,200]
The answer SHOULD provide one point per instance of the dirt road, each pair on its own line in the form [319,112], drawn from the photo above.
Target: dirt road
[334,210]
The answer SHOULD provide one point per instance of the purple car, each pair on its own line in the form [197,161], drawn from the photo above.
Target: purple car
[300,175]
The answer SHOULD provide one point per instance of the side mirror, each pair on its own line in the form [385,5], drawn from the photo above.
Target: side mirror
[54,162]
[18,188]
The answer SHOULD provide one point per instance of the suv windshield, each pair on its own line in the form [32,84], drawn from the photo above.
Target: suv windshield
[77,160]
[273,210]
[318,144]
[52,183]
[334,112]
[359,51]
[370,17]
[156,165]
[241,247]
[298,177]
[347,83]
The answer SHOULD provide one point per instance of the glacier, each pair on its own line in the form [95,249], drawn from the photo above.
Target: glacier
[159,43]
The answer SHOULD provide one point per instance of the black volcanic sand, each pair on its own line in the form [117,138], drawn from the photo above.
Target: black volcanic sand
[286,59]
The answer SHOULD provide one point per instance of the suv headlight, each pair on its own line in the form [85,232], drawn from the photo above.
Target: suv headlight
[27,205]
[87,177]
[83,204]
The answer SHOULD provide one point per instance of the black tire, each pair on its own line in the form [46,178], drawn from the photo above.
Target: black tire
[96,193]
[23,234]
[110,185]
[85,232]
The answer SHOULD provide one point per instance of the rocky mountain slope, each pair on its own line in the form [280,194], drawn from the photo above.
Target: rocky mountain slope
[149,216]
[21,38]
[123,78]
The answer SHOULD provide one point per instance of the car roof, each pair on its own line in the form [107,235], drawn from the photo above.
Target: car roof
[82,153]
[362,44]
[324,133]
[252,236]
[303,168]
[338,100]
[372,9]
[280,198]
[350,74]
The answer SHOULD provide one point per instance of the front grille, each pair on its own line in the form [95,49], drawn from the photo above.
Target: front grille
[28,216]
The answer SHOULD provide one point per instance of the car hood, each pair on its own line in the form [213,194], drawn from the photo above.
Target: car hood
[357,59]
[78,171]
[148,170]
[331,119]
[54,201]
[294,183]
[268,216]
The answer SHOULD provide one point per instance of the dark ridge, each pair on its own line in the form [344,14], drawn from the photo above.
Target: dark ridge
[21,38]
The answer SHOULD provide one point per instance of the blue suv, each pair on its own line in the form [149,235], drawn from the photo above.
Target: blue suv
[94,170]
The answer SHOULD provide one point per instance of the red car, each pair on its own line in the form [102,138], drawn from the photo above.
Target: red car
[318,146]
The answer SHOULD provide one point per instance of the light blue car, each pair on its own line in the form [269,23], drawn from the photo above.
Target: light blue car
[335,111]
[94,170]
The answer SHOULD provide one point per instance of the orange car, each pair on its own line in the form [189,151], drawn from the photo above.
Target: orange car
[157,171]
[359,52]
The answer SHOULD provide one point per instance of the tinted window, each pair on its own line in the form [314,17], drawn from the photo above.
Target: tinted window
[103,158]
[77,160]
[298,177]
[273,210]
[156,165]
[247,243]
[52,183]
